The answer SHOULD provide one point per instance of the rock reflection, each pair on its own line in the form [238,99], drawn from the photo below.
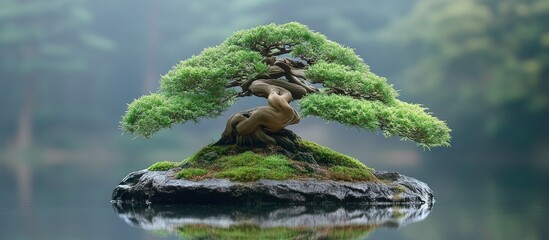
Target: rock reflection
[269,222]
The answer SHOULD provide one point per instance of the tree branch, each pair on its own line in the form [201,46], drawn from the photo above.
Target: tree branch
[268,50]
[279,52]
[292,72]
[351,93]
[233,83]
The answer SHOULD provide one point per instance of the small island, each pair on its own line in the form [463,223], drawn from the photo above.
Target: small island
[256,159]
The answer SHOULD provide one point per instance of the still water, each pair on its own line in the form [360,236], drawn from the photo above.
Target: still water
[73,202]
[87,215]
[270,222]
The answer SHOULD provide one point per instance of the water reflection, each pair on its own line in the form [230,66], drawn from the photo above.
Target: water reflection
[269,222]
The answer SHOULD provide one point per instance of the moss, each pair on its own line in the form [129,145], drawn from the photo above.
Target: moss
[250,166]
[212,152]
[247,164]
[241,232]
[190,173]
[343,173]
[328,157]
[248,231]
[162,166]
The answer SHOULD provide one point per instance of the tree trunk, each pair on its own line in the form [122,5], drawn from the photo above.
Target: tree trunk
[259,126]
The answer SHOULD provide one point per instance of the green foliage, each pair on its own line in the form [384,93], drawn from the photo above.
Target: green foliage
[193,89]
[210,71]
[328,157]
[162,166]
[331,52]
[148,115]
[410,121]
[189,173]
[153,112]
[196,87]
[262,37]
[333,75]
[302,41]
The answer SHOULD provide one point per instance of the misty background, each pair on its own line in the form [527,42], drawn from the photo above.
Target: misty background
[68,69]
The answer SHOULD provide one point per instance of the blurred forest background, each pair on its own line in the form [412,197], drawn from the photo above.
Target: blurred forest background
[69,67]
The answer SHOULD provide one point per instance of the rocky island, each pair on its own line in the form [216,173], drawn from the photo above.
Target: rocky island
[303,173]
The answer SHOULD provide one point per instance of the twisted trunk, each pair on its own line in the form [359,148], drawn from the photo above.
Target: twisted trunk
[255,126]
[265,125]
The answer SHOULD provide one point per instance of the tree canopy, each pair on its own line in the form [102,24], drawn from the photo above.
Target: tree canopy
[205,85]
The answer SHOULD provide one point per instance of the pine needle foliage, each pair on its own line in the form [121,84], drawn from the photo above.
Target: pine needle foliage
[201,86]
[410,121]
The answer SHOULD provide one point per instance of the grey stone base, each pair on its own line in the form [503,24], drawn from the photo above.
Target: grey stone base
[159,187]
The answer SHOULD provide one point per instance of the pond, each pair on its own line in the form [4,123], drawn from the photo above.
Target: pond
[73,202]
[85,214]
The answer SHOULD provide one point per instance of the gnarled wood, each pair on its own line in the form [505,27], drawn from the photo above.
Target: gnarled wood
[264,125]
[253,127]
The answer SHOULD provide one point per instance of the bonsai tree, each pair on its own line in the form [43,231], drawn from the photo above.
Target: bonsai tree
[280,63]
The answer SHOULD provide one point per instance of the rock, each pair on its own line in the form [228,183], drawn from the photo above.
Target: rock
[160,187]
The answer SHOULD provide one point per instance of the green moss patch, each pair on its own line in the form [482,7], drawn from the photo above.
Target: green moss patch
[212,152]
[189,173]
[240,232]
[244,167]
[343,173]
[246,164]
[250,166]
[328,157]
[249,231]
[162,166]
